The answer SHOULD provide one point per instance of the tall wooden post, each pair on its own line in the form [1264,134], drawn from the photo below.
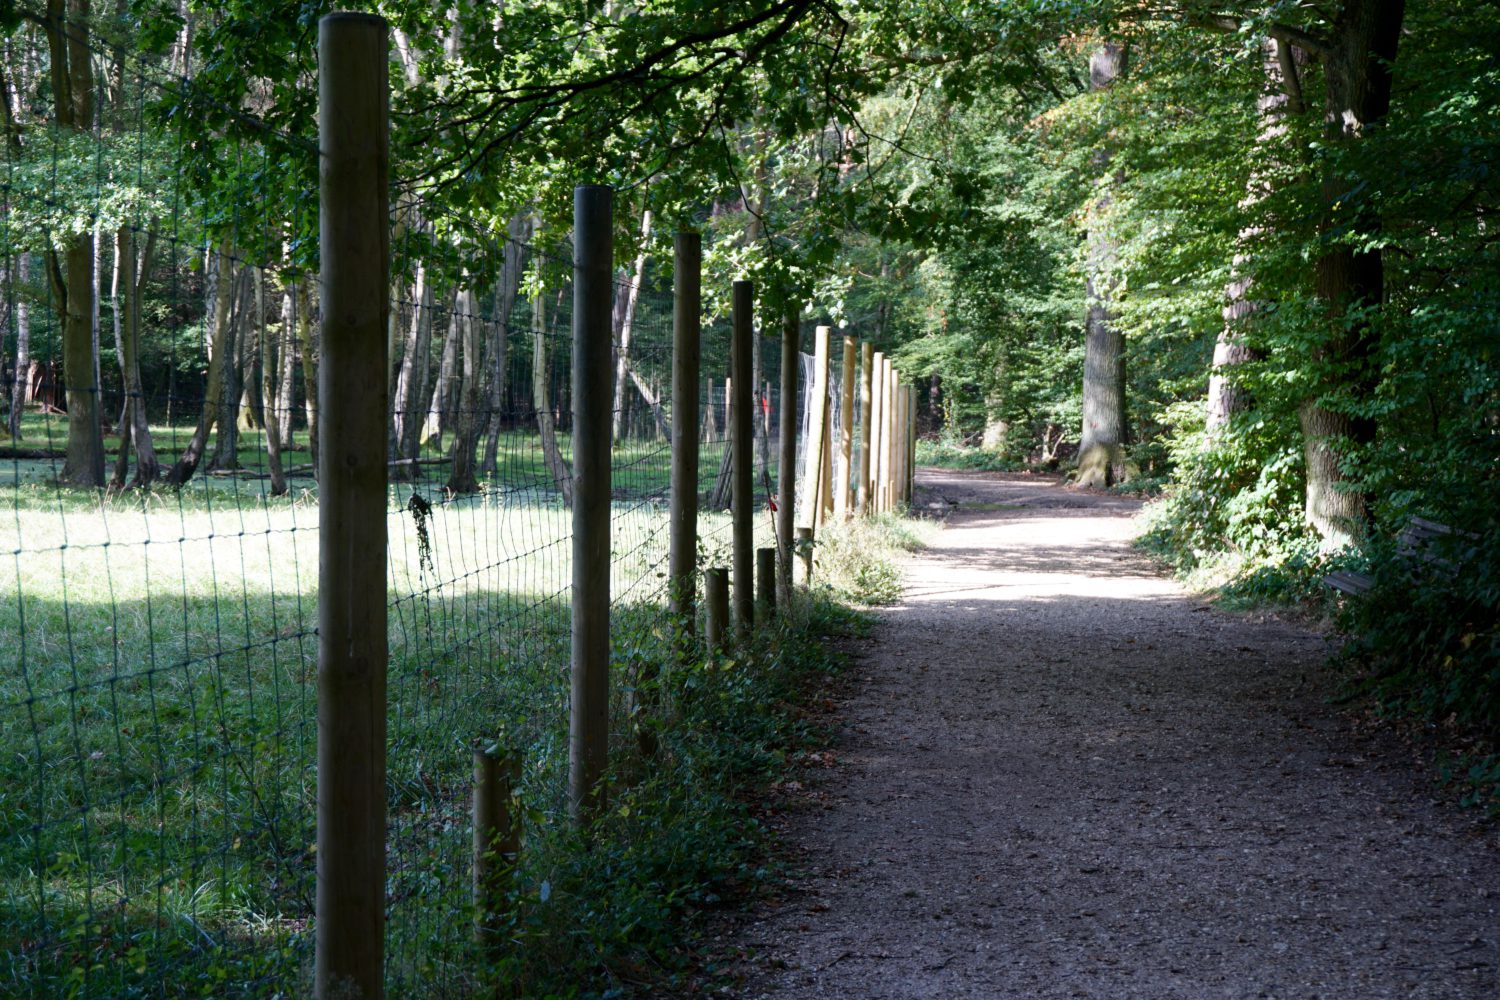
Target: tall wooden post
[887,434]
[867,365]
[742,417]
[682,558]
[812,481]
[911,444]
[593,288]
[354,222]
[877,433]
[843,480]
[786,496]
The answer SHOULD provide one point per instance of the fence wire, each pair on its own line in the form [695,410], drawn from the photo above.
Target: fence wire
[158,715]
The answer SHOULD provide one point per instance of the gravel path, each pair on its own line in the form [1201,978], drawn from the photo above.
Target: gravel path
[1061,776]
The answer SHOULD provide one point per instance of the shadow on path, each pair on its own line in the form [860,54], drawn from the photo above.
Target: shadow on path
[1061,776]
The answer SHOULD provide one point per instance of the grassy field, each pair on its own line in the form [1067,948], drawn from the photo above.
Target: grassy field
[158,717]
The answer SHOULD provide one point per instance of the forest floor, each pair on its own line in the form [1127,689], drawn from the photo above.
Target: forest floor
[1060,775]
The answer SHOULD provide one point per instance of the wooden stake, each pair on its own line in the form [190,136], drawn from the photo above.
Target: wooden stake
[786,498]
[593,300]
[497,839]
[765,582]
[742,501]
[812,482]
[682,559]
[867,365]
[716,597]
[843,490]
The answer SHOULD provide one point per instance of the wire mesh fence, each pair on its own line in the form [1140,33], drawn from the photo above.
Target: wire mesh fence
[158,712]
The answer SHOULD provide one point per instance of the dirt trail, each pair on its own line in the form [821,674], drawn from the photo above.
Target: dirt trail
[1061,776]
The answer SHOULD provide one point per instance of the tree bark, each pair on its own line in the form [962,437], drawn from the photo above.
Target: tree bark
[1282,96]
[624,322]
[499,356]
[1101,450]
[269,370]
[222,278]
[414,364]
[541,399]
[135,429]
[1350,280]
[470,421]
[21,307]
[309,351]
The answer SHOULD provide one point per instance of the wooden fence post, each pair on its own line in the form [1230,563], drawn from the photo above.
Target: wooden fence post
[786,498]
[843,480]
[867,364]
[805,547]
[765,582]
[716,597]
[353,653]
[812,478]
[593,288]
[682,559]
[877,428]
[911,443]
[497,839]
[742,499]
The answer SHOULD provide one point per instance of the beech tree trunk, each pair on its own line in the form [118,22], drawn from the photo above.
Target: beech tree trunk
[541,399]
[269,371]
[624,322]
[1348,278]
[499,356]
[470,421]
[1283,96]
[303,304]
[221,283]
[135,430]
[1101,450]
[21,306]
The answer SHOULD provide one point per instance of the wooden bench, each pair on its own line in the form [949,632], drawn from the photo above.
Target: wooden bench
[1414,545]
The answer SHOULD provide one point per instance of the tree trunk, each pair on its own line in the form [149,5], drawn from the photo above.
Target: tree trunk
[1283,96]
[286,394]
[1350,280]
[505,302]
[541,398]
[226,457]
[461,477]
[221,277]
[447,393]
[303,301]
[624,320]
[411,385]
[269,371]
[135,429]
[21,390]
[1101,451]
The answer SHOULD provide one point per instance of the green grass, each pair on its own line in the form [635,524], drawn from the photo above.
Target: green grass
[158,728]
[947,455]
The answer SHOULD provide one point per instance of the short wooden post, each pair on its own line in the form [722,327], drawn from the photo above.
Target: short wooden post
[682,558]
[765,582]
[497,839]
[805,548]
[742,499]
[593,299]
[867,365]
[354,163]
[843,480]
[786,497]
[716,598]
